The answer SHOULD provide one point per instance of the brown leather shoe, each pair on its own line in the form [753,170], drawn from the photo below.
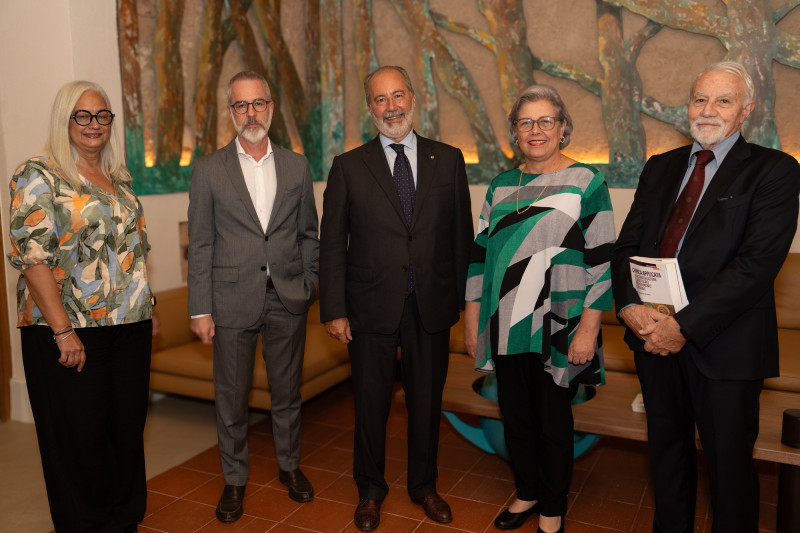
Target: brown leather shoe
[368,514]
[435,508]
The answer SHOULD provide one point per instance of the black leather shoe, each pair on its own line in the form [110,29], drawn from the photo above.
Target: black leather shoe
[300,489]
[230,508]
[509,520]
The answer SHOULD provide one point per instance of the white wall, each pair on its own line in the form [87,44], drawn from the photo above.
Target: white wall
[46,43]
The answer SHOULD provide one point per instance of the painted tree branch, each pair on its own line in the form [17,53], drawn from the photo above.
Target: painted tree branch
[434,56]
[209,65]
[683,15]
[332,82]
[787,52]
[366,59]
[510,33]
[636,43]
[269,17]
[169,73]
[128,27]
[451,25]
[265,66]
[312,138]
[675,115]
[621,92]
[570,72]
[784,10]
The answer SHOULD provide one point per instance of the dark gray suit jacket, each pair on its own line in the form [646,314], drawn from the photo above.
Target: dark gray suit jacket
[228,250]
[367,245]
[733,249]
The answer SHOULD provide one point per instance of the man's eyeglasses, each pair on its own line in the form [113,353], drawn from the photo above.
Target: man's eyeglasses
[259,105]
[104,117]
[545,123]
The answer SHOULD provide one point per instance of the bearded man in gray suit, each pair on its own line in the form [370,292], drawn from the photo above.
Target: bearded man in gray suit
[253,260]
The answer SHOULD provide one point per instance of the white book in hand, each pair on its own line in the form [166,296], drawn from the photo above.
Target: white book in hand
[659,284]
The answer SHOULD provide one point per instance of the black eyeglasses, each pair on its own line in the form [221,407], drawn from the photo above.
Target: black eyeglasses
[545,123]
[104,117]
[259,105]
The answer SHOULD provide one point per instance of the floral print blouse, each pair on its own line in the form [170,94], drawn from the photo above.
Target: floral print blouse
[95,244]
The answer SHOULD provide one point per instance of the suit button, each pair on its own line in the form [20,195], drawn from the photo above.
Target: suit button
[266,238]
[263,269]
[405,268]
[409,238]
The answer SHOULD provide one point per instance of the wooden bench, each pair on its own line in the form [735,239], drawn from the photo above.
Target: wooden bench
[609,412]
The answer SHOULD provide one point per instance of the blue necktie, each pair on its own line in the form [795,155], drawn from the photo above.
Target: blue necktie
[404,181]
[406,191]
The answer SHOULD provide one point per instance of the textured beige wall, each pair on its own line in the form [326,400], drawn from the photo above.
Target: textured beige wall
[566,31]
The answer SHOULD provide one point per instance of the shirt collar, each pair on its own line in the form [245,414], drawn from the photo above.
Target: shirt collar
[720,150]
[409,141]
[241,152]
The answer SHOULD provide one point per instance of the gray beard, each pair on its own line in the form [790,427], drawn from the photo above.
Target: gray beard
[253,136]
[707,138]
[398,131]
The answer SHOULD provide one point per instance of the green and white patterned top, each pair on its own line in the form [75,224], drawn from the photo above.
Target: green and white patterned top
[95,244]
[534,272]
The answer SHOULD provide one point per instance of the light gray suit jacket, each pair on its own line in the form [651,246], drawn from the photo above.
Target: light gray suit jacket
[228,250]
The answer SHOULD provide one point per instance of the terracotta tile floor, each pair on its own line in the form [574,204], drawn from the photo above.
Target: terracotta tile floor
[610,490]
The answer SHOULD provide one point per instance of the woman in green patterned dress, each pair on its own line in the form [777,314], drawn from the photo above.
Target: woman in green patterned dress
[538,284]
[84,312]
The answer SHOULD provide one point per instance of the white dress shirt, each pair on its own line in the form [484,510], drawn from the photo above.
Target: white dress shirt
[259,176]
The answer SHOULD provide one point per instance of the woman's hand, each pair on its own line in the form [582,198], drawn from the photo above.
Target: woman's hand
[71,348]
[472,312]
[582,347]
[45,292]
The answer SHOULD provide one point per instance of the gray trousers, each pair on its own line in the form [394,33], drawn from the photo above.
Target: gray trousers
[283,338]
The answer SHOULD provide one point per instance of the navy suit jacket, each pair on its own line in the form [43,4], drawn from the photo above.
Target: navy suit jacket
[733,249]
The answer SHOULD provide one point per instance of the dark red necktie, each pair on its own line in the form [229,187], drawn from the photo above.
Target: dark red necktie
[684,208]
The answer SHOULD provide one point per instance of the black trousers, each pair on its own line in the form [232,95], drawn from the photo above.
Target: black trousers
[538,425]
[423,369]
[90,424]
[676,397]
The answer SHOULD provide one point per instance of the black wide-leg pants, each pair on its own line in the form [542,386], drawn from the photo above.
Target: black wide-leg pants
[538,425]
[90,424]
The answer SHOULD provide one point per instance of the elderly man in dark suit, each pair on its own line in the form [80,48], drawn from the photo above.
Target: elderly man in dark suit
[253,256]
[395,235]
[705,364]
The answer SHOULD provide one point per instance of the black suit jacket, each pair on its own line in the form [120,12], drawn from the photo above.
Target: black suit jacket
[733,249]
[366,245]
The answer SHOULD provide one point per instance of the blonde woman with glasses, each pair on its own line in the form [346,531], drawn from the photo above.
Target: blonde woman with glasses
[85,314]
